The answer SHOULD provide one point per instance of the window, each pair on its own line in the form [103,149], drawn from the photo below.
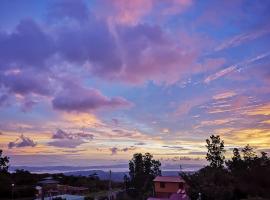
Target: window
[162,184]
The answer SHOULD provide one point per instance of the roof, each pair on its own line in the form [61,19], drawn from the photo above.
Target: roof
[169,179]
[48,182]
[65,196]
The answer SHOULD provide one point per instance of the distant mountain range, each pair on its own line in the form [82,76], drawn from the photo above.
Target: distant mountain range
[116,176]
[118,170]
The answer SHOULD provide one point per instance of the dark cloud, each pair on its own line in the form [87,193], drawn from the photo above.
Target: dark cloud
[115,150]
[79,99]
[26,82]
[27,46]
[174,147]
[131,148]
[22,141]
[66,143]
[69,140]
[140,143]
[60,134]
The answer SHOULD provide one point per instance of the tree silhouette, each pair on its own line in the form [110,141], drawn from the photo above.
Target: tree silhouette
[215,153]
[248,153]
[142,170]
[4,160]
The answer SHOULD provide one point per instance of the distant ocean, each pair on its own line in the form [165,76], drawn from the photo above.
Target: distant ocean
[113,168]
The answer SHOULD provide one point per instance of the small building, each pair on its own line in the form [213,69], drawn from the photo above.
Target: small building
[166,186]
[50,188]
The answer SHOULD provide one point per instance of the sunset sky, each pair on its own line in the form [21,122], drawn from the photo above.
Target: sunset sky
[93,82]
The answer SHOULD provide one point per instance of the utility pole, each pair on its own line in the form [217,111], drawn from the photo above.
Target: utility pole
[12,190]
[200,196]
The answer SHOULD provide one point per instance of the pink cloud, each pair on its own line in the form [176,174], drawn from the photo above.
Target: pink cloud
[185,107]
[132,12]
[242,38]
[150,53]
[220,74]
[22,141]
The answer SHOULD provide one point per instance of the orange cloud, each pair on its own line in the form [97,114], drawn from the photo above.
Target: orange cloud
[259,110]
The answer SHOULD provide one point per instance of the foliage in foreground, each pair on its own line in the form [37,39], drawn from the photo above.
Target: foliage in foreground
[24,181]
[246,174]
[142,170]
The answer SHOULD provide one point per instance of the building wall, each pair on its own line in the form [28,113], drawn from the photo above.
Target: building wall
[167,190]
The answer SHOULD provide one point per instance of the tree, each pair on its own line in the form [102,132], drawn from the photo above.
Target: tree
[236,163]
[215,153]
[4,160]
[142,170]
[249,153]
[236,155]
[247,175]
[126,181]
[264,159]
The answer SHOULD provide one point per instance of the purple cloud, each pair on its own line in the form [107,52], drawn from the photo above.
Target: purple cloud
[26,82]
[32,57]
[115,150]
[131,53]
[3,99]
[28,104]
[66,143]
[22,141]
[174,147]
[27,46]
[69,140]
[68,9]
[140,143]
[60,134]
[79,99]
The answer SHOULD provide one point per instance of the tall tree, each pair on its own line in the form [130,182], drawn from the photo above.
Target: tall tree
[4,160]
[215,151]
[142,170]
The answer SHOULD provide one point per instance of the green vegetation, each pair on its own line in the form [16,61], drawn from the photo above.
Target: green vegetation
[245,176]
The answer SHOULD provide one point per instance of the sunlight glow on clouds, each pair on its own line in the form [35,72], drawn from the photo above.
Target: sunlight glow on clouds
[95,81]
